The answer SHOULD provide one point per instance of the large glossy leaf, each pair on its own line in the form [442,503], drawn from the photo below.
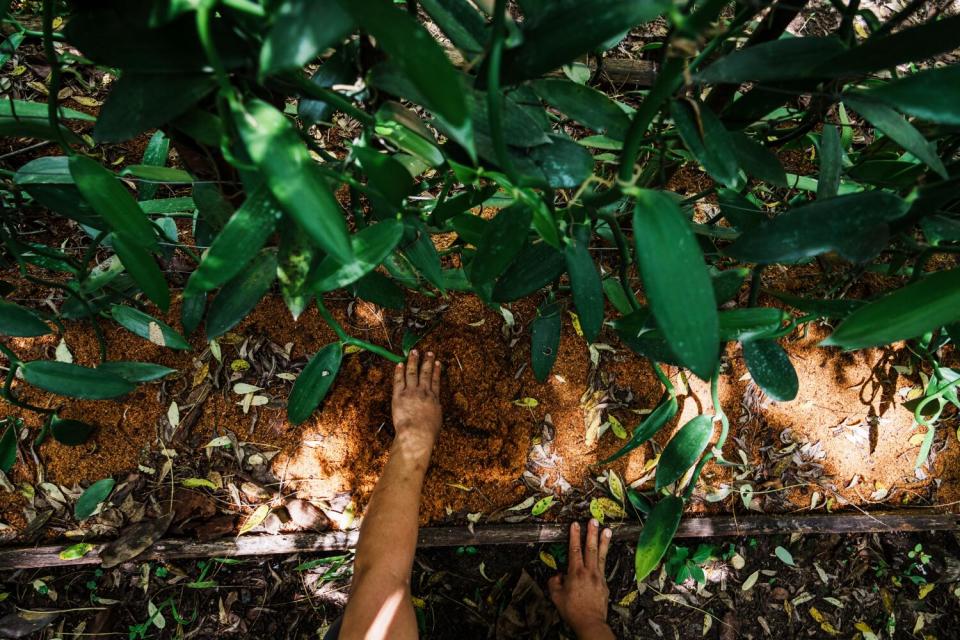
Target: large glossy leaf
[135,371]
[141,101]
[585,105]
[564,34]
[148,327]
[909,45]
[932,94]
[459,21]
[585,283]
[707,139]
[831,156]
[676,282]
[371,246]
[74,381]
[49,182]
[545,340]
[727,283]
[648,428]
[834,308]
[70,432]
[301,30]
[8,448]
[757,160]
[534,268]
[296,257]
[292,176]
[142,267]
[775,60]
[413,51]
[19,321]
[770,367]
[845,224]
[238,297]
[379,289]
[314,382]
[905,313]
[25,110]
[244,234]
[191,311]
[422,254]
[561,164]
[683,450]
[385,174]
[658,532]
[108,197]
[90,499]
[505,235]
[896,127]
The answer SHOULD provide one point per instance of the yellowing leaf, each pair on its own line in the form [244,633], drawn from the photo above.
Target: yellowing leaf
[575,319]
[462,487]
[239,365]
[617,427]
[542,505]
[18,70]
[215,350]
[173,414]
[201,374]
[616,486]
[194,483]
[629,599]
[529,403]
[418,603]
[76,551]
[610,508]
[596,510]
[87,101]
[864,628]
[255,518]
[925,590]
[351,348]
[917,439]
[548,560]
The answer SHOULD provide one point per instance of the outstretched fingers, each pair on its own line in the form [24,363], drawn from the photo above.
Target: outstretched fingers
[593,539]
[413,369]
[426,371]
[398,378]
[575,551]
[605,536]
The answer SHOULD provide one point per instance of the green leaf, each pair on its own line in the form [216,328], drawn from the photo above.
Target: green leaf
[239,296]
[142,267]
[422,254]
[727,283]
[896,127]
[8,448]
[545,340]
[502,240]
[564,34]
[295,259]
[853,225]
[585,283]
[25,110]
[371,246]
[587,106]
[616,295]
[49,182]
[776,60]
[784,556]
[108,197]
[757,160]
[683,450]
[542,506]
[244,234]
[292,176]
[76,551]
[70,432]
[823,308]
[138,102]
[157,174]
[379,289]
[648,428]
[155,155]
[148,327]
[738,210]
[831,157]
[213,210]
[90,499]
[676,282]
[770,367]
[385,174]
[74,381]
[932,95]
[301,30]
[707,139]
[135,371]
[191,311]
[314,382]
[658,532]
[905,313]
[340,68]
[561,164]
[459,21]
[909,45]
[422,61]
[21,322]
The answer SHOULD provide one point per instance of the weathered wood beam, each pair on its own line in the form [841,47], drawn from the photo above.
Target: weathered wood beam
[708,527]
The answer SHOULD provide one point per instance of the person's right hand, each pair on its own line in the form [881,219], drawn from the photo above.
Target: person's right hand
[416,402]
[582,596]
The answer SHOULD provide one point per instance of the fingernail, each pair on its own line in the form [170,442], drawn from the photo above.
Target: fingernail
[594,523]
[607,533]
[576,525]
[430,353]
[413,352]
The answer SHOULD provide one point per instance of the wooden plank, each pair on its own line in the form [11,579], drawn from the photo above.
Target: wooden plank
[708,527]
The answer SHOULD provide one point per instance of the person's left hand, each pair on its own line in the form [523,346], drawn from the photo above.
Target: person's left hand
[416,400]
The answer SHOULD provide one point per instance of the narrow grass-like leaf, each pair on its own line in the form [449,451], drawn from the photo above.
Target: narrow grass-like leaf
[658,532]
[905,313]
[142,267]
[148,327]
[683,450]
[155,155]
[585,283]
[770,367]
[648,428]
[932,94]
[135,371]
[831,155]
[20,321]
[707,139]
[676,281]
[314,382]
[775,60]
[74,381]
[8,448]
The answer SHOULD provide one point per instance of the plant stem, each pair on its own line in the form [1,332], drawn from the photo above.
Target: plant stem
[209,48]
[10,397]
[624,251]
[347,339]
[494,99]
[53,87]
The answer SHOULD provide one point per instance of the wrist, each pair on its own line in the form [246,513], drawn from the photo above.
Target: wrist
[416,445]
[593,630]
